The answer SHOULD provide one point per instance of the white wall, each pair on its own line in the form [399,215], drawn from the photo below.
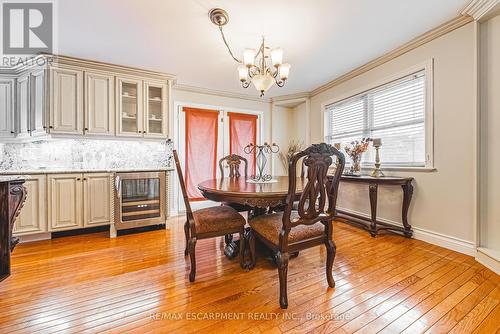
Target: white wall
[489,228]
[299,123]
[443,201]
[282,132]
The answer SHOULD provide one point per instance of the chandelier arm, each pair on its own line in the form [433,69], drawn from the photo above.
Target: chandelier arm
[280,83]
[245,84]
[227,46]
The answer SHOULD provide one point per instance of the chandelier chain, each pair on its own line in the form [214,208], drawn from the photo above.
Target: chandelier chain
[227,46]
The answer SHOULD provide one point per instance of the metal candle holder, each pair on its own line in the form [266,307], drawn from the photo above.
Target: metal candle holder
[261,160]
[377,172]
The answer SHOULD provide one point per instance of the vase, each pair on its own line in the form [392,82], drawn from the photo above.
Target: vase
[355,168]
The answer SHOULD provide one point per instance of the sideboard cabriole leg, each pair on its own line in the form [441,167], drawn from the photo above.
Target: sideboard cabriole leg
[407,195]
[373,189]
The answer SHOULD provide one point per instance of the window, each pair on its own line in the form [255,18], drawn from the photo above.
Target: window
[394,112]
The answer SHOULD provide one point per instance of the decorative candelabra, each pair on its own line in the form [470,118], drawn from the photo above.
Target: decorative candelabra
[261,160]
[377,142]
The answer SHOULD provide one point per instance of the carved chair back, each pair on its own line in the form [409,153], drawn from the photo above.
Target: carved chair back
[189,212]
[318,199]
[233,161]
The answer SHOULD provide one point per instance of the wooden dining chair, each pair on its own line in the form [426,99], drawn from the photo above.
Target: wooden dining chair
[311,225]
[208,223]
[233,162]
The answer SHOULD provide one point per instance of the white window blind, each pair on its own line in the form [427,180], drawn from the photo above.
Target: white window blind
[394,112]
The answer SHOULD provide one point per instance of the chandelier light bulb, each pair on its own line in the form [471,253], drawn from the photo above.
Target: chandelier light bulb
[248,57]
[243,73]
[277,56]
[284,71]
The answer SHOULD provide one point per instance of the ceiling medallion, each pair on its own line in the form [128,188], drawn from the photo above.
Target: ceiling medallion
[263,67]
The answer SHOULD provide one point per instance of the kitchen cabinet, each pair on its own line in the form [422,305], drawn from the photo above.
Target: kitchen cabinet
[130,107]
[65,196]
[66,101]
[99,104]
[79,200]
[33,216]
[156,109]
[7,113]
[97,199]
[78,98]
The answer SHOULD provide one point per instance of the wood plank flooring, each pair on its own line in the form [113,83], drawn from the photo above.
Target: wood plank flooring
[138,283]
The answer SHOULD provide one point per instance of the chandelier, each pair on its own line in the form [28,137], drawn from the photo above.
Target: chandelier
[263,67]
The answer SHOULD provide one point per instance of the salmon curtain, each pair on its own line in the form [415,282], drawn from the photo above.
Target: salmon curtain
[243,131]
[201,149]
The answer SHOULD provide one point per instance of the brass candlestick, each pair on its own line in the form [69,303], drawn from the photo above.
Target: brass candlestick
[377,172]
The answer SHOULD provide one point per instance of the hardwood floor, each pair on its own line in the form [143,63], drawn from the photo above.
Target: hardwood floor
[139,283]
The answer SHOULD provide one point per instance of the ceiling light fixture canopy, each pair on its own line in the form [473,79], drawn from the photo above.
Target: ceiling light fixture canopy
[263,67]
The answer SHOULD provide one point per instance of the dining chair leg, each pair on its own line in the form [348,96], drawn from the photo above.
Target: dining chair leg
[251,246]
[192,254]
[242,248]
[186,233]
[331,250]
[282,262]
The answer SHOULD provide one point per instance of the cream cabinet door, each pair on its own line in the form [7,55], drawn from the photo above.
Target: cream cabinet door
[65,201]
[37,119]
[66,101]
[7,108]
[97,202]
[99,104]
[156,109]
[23,105]
[33,216]
[129,111]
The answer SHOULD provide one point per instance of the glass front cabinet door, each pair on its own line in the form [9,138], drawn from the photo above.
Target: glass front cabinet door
[142,108]
[156,109]
[129,111]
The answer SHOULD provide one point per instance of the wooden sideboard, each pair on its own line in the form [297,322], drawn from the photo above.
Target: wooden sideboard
[372,224]
[12,197]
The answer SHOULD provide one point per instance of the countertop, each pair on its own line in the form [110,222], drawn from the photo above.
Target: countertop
[9,178]
[68,171]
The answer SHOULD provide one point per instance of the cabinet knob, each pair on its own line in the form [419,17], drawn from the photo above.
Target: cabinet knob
[12,132]
[86,129]
[84,179]
[143,131]
[78,179]
[51,127]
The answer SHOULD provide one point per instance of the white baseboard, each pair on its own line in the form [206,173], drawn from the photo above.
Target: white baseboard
[435,238]
[489,258]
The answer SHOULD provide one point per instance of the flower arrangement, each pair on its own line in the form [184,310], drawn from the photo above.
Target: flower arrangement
[293,148]
[354,150]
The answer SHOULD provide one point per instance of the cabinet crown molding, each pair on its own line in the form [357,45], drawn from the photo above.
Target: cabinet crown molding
[53,60]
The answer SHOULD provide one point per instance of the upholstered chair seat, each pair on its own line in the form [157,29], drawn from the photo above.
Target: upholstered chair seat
[269,227]
[217,218]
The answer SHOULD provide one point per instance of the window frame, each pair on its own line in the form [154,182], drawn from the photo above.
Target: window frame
[428,69]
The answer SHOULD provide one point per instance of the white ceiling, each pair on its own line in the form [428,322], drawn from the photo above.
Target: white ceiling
[322,39]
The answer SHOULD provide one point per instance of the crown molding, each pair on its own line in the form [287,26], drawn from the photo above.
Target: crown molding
[439,31]
[479,9]
[208,91]
[291,97]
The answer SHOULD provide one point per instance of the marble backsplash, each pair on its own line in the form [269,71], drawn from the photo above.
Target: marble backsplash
[85,154]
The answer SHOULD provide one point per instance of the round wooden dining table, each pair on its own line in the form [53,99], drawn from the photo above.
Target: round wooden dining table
[258,196]
[255,195]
